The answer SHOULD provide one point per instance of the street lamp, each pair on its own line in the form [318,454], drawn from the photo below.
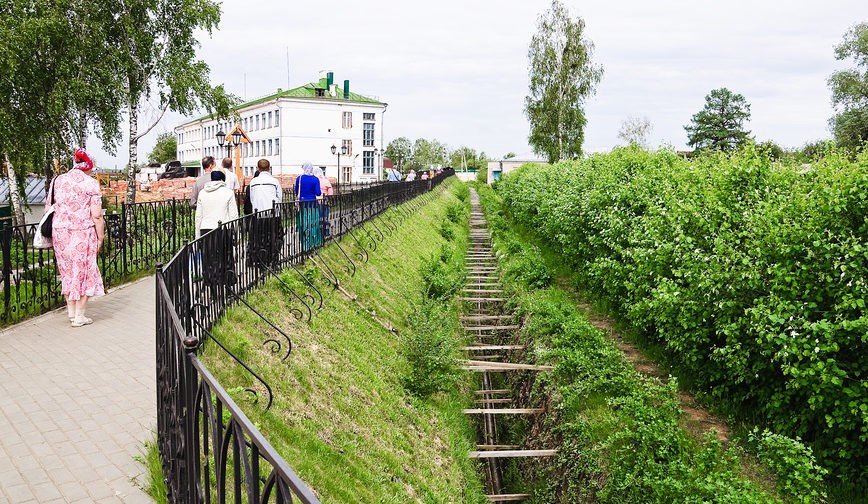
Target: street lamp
[379,154]
[221,139]
[338,153]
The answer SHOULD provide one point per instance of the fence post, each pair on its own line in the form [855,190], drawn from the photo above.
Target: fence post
[174,237]
[123,232]
[6,253]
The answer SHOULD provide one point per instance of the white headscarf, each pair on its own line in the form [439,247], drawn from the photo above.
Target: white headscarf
[307,168]
[317,172]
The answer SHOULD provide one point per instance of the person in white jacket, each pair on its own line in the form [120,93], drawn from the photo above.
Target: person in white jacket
[216,204]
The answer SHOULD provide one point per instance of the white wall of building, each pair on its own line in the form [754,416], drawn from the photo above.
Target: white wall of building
[293,131]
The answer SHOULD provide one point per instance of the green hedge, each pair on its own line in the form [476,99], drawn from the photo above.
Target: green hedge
[750,275]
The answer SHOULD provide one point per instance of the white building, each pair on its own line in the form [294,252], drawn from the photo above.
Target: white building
[291,127]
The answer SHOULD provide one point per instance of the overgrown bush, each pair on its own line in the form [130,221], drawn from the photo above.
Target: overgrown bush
[455,212]
[798,475]
[430,349]
[441,274]
[750,275]
[528,269]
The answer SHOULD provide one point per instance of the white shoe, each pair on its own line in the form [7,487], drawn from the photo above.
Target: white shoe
[81,321]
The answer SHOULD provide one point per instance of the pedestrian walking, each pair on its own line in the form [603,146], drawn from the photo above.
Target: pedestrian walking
[78,231]
[266,232]
[327,190]
[308,219]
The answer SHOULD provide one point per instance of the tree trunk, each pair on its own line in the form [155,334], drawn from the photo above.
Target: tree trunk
[82,130]
[134,148]
[14,194]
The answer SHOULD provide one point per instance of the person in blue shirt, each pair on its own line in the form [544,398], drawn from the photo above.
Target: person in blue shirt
[308,221]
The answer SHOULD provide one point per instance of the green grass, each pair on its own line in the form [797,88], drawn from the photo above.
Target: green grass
[155,486]
[341,415]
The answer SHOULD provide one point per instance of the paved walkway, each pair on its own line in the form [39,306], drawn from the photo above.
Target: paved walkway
[77,404]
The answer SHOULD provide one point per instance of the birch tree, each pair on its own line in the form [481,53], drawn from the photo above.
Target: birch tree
[562,77]
[157,47]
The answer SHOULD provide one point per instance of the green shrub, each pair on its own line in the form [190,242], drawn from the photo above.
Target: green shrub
[447,231]
[529,269]
[798,475]
[440,279]
[455,212]
[749,275]
[482,176]
[430,348]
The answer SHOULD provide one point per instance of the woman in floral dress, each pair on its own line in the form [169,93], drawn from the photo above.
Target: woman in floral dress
[77,234]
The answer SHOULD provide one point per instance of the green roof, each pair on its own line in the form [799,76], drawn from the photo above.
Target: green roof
[308,91]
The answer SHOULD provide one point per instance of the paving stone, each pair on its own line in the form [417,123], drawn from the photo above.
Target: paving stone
[76,412]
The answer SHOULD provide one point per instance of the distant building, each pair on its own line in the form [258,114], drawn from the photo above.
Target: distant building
[497,169]
[291,127]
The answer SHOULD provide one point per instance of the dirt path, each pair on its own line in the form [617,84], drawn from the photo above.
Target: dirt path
[696,420]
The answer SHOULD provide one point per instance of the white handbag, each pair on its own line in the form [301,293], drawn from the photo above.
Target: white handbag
[39,241]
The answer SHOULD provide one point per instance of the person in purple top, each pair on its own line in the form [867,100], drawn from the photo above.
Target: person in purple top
[308,221]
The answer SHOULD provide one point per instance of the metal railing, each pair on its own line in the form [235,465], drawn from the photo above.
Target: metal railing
[210,450]
[138,237]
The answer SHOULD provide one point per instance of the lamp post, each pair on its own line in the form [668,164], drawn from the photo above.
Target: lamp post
[379,154]
[221,139]
[338,153]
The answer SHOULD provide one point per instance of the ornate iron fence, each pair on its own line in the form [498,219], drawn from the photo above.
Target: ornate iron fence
[138,237]
[210,451]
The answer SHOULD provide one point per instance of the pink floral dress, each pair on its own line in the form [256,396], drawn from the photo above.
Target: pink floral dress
[74,235]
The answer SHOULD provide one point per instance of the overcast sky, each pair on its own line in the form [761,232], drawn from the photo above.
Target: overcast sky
[456,71]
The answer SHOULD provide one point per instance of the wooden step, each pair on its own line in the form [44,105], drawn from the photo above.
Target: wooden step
[485,317]
[512,453]
[503,411]
[482,300]
[486,348]
[497,447]
[474,365]
[504,400]
[492,391]
[492,328]
[507,497]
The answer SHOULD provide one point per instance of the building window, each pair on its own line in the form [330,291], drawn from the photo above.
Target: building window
[271,147]
[257,122]
[349,145]
[348,175]
[277,117]
[368,162]
[368,116]
[276,146]
[348,120]
[263,122]
[257,148]
[368,139]
[320,92]
[270,119]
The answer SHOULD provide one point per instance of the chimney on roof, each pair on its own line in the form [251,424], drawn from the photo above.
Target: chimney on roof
[346,89]
[330,79]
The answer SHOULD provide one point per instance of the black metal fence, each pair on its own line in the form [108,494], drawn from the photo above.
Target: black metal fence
[138,237]
[210,451]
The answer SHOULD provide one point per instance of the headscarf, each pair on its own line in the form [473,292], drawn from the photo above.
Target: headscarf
[317,172]
[82,160]
[307,168]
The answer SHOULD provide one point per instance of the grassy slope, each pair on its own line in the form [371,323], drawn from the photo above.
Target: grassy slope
[341,417]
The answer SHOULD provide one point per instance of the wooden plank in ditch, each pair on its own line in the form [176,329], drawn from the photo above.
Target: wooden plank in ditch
[492,347]
[512,453]
[506,365]
[503,411]
[492,391]
[507,497]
